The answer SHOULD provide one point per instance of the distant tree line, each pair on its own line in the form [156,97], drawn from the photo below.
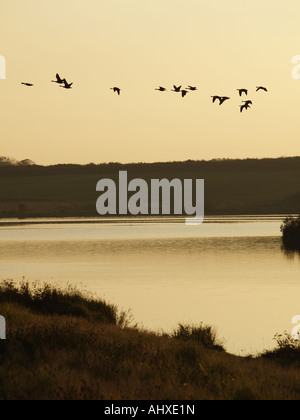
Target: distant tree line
[11,162]
[215,165]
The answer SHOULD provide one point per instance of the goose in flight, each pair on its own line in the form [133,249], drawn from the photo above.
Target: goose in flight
[58,80]
[184,93]
[27,84]
[161,89]
[192,88]
[222,99]
[245,106]
[116,90]
[67,85]
[176,88]
[241,91]
[261,88]
[216,98]
[248,103]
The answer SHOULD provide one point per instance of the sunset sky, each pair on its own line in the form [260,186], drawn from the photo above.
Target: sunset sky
[138,45]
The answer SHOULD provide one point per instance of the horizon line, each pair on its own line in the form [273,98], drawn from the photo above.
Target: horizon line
[213,160]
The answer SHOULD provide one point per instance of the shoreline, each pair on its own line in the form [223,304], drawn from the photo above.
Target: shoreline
[62,345]
[4,222]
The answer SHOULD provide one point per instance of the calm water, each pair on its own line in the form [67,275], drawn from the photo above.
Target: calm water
[230,272]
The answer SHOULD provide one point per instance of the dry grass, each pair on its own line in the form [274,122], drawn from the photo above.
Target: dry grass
[54,356]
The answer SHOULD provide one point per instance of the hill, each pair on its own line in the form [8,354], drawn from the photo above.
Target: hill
[64,345]
[251,186]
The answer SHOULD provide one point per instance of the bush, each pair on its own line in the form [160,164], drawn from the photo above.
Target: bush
[49,299]
[291,232]
[287,350]
[204,335]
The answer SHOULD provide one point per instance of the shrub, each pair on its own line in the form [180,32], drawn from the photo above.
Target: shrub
[49,299]
[204,335]
[291,232]
[287,350]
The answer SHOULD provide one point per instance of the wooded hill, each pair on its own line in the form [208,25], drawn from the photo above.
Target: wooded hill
[251,186]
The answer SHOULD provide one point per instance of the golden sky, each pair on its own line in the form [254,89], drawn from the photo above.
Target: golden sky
[216,45]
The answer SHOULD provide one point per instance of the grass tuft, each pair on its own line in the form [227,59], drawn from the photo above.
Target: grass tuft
[53,299]
[205,335]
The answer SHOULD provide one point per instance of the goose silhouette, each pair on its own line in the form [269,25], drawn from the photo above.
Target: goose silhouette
[184,93]
[245,106]
[241,91]
[58,80]
[261,88]
[27,84]
[216,98]
[192,88]
[116,90]
[67,85]
[222,99]
[247,103]
[161,89]
[176,88]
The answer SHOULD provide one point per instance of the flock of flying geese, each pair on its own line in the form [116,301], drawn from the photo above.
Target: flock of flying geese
[245,106]
[62,82]
[221,99]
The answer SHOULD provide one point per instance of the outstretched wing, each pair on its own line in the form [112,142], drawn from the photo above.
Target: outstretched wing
[261,88]
[222,100]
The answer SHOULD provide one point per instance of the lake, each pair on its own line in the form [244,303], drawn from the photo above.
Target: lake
[230,272]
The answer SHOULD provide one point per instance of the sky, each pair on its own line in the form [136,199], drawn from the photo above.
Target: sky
[216,45]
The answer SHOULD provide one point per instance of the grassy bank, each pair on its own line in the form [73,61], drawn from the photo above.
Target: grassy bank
[62,344]
[250,186]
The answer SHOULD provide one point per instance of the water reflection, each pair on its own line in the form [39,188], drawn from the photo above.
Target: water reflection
[232,275]
[290,253]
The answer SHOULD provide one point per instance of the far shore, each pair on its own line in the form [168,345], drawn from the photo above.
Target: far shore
[39,221]
[232,187]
